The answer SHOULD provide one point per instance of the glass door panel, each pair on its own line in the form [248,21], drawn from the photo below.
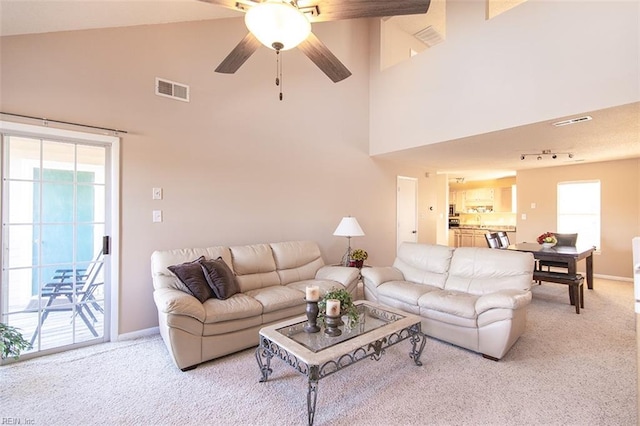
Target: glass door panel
[53,224]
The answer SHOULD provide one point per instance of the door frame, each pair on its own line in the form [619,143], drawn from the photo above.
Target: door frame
[113,196]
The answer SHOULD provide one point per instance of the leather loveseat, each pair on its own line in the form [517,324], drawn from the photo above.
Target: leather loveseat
[472,297]
[268,281]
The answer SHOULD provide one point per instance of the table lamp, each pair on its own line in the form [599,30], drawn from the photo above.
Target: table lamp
[348,227]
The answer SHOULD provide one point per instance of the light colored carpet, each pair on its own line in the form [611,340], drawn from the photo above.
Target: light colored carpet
[566,369]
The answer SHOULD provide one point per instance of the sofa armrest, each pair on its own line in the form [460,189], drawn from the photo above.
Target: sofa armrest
[343,274]
[381,274]
[177,302]
[506,299]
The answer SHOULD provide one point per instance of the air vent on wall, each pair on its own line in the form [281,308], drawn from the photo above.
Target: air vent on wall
[429,36]
[171,89]
[572,121]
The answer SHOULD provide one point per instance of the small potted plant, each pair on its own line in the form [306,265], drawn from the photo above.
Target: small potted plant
[11,342]
[346,305]
[358,256]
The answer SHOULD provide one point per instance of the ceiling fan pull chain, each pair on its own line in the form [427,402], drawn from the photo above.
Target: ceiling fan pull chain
[279,73]
[278,46]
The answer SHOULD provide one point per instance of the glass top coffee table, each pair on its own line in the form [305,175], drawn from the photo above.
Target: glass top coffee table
[317,355]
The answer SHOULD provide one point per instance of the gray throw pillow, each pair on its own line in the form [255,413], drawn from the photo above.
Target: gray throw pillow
[220,278]
[192,276]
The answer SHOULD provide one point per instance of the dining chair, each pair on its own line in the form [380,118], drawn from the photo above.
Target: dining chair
[61,294]
[503,238]
[492,240]
[566,239]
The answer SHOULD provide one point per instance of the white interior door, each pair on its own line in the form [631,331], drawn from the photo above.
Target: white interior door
[407,210]
[56,243]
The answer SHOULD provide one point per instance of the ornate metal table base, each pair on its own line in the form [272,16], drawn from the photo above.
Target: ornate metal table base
[374,350]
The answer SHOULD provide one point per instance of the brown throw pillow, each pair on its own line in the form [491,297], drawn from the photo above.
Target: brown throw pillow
[191,275]
[220,278]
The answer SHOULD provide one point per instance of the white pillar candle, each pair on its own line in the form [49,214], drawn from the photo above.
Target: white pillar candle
[333,308]
[313,293]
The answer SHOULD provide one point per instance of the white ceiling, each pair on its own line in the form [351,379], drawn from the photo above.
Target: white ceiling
[613,133]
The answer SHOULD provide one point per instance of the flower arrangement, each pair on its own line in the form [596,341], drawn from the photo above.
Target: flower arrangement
[548,238]
[359,254]
[346,304]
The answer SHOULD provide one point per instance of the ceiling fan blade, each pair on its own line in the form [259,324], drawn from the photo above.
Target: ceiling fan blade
[241,5]
[239,54]
[324,59]
[333,10]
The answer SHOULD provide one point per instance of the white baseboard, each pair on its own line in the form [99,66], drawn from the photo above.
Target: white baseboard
[610,277]
[136,334]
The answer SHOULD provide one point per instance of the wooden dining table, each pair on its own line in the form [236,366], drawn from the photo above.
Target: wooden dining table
[569,254]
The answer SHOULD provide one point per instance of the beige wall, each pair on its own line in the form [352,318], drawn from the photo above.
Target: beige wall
[620,182]
[237,166]
[538,61]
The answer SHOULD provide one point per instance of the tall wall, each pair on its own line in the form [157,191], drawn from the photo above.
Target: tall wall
[237,166]
[538,61]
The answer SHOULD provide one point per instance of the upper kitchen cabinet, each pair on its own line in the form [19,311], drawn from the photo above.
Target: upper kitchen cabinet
[479,197]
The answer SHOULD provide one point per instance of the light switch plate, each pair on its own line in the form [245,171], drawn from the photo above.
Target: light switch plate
[157,216]
[157,193]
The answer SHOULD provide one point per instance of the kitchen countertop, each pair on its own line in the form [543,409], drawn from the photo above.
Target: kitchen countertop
[506,228]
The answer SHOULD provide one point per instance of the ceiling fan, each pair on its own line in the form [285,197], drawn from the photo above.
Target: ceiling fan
[285,24]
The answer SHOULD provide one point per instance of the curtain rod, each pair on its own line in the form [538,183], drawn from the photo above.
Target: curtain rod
[46,120]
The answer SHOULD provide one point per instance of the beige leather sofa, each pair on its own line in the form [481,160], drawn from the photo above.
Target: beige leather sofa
[272,279]
[472,297]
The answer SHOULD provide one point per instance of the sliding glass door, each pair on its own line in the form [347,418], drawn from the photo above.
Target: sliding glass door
[55,240]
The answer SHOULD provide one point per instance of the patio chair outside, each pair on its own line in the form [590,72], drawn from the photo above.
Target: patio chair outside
[64,287]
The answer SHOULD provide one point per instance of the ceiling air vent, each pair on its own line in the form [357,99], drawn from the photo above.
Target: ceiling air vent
[171,89]
[573,121]
[429,36]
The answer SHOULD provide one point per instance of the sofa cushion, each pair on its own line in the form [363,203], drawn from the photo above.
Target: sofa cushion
[324,285]
[296,260]
[192,276]
[277,297]
[424,263]
[452,302]
[236,307]
[220,278]
[479,271]
[254,266]
[404,291]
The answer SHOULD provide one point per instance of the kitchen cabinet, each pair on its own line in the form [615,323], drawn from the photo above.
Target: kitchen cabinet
[452,238]
[465,238]
[479,239]
[474,238]
[479,197]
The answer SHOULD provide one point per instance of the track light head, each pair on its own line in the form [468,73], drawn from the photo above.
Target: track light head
[539,157]
[554,156]
[570,155]
[522,157]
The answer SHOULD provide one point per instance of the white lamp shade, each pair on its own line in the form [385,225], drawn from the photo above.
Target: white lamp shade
[348,227]
[276,22]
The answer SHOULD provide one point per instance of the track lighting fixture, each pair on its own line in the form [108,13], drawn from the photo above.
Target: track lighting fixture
[541,155]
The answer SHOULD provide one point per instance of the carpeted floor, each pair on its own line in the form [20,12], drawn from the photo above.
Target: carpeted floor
[566,369]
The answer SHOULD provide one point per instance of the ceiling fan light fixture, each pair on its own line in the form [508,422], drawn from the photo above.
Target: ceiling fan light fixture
[275,23]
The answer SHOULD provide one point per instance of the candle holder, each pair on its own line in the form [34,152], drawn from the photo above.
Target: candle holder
[312,317]
[331,325]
